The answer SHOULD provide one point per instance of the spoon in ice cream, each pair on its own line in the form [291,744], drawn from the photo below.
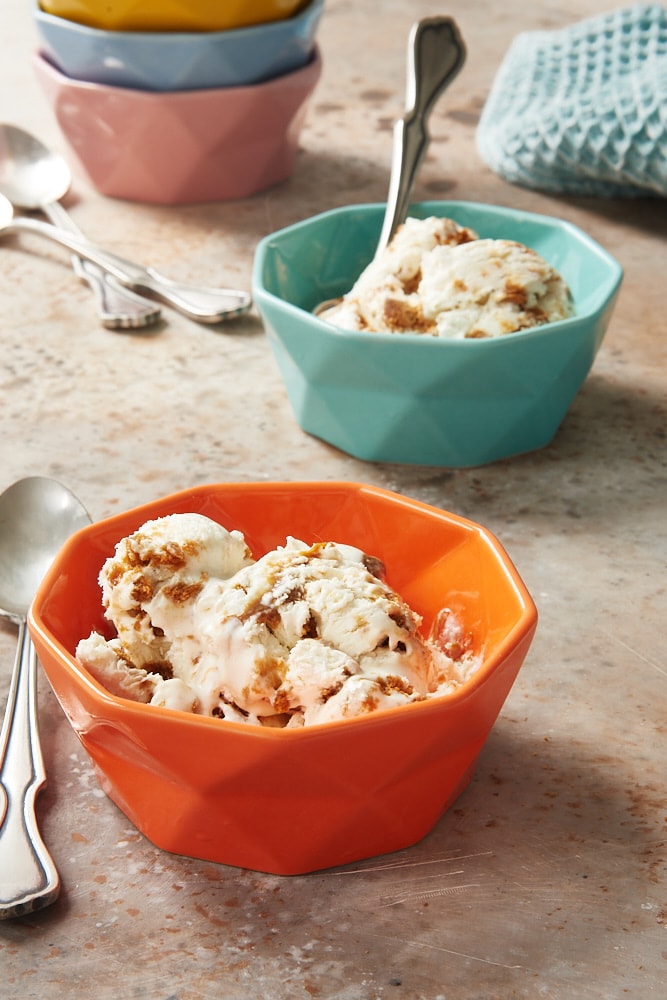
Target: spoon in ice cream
[37,515]
[436,53]
[35,179]
[205,305]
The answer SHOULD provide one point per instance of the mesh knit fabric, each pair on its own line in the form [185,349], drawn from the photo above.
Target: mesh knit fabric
[583,110]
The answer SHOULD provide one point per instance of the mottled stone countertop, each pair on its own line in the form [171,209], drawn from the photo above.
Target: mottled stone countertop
[548,877]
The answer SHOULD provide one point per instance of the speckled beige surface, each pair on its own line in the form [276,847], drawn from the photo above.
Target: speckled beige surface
[548,877]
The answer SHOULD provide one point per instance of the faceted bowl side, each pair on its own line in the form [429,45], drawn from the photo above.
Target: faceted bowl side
[289,801]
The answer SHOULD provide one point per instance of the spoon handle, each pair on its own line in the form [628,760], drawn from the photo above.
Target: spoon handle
[205,305]
[436,53]
[118,307]
[28,876]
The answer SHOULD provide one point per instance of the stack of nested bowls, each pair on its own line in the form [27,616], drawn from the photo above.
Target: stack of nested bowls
[172,101]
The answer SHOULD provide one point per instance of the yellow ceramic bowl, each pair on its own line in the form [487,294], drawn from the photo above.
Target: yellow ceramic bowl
[171,15]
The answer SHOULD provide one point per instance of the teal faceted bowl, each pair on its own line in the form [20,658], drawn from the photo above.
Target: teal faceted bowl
[416,399]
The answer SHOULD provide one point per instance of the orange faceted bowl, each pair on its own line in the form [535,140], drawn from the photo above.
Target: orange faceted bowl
[296,800]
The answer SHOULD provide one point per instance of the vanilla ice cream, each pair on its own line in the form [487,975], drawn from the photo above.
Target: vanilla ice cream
[303,635]
[440,279]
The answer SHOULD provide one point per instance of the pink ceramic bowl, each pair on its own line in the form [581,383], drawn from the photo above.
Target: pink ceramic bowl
[181,146]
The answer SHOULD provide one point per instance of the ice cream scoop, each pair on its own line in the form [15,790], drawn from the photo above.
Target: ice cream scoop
[158,572]
[307,633]
[440,279]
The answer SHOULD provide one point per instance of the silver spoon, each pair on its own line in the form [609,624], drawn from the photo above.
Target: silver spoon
[205,305]
[37,515]
[35,179]
[436,53]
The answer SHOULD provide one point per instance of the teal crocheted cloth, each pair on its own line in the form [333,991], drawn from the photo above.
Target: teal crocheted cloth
[583,110]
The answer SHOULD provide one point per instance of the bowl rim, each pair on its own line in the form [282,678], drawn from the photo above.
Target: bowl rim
[169,38]
[520,632]
[268,243]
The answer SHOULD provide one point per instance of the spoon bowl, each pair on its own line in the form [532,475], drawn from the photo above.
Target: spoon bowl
[31,175]
[37,515]
[35,178]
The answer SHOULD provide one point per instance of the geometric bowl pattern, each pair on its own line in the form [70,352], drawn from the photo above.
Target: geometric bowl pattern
[291,801]
[183,146]
[170,60]
[418,399]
